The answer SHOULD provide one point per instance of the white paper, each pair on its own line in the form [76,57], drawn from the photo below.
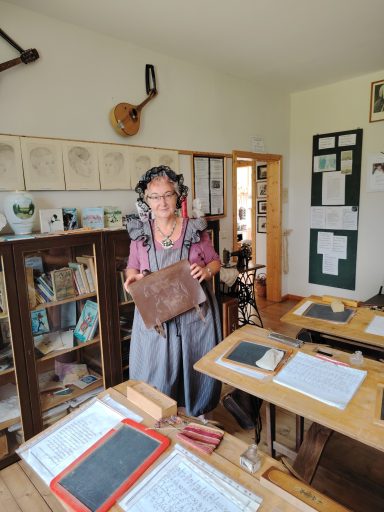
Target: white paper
[333,188]
[324,163]
[299,311]
[375,173]
[184,483]
[52,453]
[330,264]
[376,326]
[317,217]
[322,380]
[326,142]
[339,247]
[257,374]
[324,242]
[347,140]
[346,162]
[201,177]
[333,217]
[350,215]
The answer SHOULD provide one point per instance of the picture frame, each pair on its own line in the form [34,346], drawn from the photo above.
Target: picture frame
[141,160]
[114,167]
[11,167]
[51,220]
[376,110]
[81,167]
[43,164]
[261,187]
[261,172]
[262,207]
[262,224]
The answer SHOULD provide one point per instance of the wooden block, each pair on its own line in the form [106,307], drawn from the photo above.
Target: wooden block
[299,494]
[347,302]
[150,400]
[3,444]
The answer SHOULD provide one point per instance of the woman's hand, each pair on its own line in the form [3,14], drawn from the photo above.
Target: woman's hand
[200,273]
[131,279]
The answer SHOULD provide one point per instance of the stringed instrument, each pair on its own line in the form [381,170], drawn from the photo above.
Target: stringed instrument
[125,118]
[26,56]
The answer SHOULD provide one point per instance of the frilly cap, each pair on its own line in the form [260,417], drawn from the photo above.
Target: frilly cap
[155,172]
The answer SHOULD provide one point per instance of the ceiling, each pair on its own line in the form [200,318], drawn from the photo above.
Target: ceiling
[287,44]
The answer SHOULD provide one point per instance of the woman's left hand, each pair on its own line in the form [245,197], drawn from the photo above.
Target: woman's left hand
[199,273]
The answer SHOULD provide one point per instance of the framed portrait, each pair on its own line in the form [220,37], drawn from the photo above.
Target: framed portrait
[141,160]
[81,168]
[261,172]
[261,189]
[43,164]
[114,167]
[376,112]
[261,224]
[11,168]
[262,207]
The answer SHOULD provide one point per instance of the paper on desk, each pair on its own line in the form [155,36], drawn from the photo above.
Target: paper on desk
[325,381]
[52,453]
[299,311]
[183,482]
[257,374]
[376,326]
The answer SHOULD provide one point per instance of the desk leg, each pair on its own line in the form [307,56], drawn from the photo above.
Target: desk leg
[270,411]
[299,431]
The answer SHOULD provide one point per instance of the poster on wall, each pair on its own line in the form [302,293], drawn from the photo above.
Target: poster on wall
[43,164]
[114,167]
[11,169]
[375,173]
[81,165]
[209,184]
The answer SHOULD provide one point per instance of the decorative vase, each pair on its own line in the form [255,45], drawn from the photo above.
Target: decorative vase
[20,210]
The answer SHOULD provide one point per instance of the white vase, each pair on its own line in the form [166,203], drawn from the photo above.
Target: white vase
[20,210]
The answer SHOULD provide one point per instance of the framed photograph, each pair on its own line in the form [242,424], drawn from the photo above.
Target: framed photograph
[81,165]
[11,169]
[376,112]
[51,220]
[262,207]
[114,167]
[261,189]
[43,164]
[261,224]
[261,172]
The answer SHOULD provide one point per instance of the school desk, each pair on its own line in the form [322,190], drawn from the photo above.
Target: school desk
[22,488]
[352,333]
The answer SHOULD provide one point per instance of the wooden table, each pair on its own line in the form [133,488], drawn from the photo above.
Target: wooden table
[22,489]
[352,332]
[355,421]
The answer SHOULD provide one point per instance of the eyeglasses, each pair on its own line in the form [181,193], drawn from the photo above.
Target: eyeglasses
[157,198]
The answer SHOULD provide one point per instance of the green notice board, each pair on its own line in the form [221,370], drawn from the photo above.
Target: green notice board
[338,155]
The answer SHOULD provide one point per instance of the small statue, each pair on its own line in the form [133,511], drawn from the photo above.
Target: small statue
[197,211]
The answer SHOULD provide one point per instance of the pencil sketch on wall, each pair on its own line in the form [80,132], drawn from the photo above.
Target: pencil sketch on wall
[81,166]
[142,159]
[43,164]
[11,169]
[114,167]
[169,158]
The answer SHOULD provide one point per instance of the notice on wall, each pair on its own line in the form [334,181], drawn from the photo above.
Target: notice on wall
[348,139]
[333,248]
[324,163]
[326,142]
[333,191]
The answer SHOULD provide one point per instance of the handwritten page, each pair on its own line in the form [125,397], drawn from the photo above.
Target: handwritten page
[52,453]
[185,483]
[376,326]
[325,381]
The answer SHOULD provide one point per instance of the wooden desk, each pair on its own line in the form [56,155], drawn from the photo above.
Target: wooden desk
[353,331]
[22,489]
[355,421]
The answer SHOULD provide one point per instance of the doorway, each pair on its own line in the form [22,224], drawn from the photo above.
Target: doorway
[256,199]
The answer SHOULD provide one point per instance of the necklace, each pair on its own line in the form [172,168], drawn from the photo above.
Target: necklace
[166,242]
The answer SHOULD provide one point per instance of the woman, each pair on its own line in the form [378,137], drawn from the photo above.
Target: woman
[167,364]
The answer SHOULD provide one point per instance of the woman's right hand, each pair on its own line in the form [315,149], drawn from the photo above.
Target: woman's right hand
[131,279]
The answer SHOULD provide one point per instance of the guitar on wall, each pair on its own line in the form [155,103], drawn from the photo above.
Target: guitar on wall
[26,56]
[125,118]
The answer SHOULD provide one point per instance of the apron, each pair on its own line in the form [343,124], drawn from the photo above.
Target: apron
[167,363]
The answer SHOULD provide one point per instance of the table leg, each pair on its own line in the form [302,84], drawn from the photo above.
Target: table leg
[270,411]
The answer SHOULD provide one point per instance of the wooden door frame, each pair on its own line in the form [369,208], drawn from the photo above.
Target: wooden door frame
[274,215]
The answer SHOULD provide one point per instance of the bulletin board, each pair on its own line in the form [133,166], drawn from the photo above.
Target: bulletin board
[209,184]
[335,197]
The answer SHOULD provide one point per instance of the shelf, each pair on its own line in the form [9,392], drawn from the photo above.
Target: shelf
[8,423]
[64,301]
[125,303]
[49,401]
[7,371]
[56,353]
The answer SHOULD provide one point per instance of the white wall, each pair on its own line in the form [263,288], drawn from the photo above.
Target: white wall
[81,75]
[337,107]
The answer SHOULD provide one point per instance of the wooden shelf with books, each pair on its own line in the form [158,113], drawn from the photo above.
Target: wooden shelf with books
[80,346]
[48,401]
[64,301]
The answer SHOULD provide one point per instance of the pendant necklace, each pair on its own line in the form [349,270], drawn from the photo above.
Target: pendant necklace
[166,242]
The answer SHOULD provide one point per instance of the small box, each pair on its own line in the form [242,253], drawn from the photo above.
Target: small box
[150,400]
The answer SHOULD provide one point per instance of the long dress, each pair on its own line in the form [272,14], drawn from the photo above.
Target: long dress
[167,364]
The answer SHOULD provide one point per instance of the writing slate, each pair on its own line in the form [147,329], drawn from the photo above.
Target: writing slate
[107,469]
[324,312]
[246,353]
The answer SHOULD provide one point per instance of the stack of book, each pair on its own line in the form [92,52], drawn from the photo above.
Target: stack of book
[88,322]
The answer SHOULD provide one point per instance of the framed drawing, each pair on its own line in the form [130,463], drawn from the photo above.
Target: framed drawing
[43,164]
[114,167]
[141,160]
[261,224]
[376,111]
[11,169]
[261,189]
[208,182]
[81,165]
[262,207]
[51,220]
[168,158]
[261,172]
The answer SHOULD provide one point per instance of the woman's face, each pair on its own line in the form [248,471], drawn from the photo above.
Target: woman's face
[156,195]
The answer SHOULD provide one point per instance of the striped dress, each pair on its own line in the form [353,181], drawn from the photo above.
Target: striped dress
[167,363]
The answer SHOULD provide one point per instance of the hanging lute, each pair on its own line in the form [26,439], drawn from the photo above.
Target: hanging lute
[26,56]
[125,118]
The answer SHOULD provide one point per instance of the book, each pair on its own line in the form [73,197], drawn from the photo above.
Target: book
[93,217]
[70,219]
[80,278]
[39,322]
[51,220]
[3,298]
[88,322]
[35,262]
[62,283]
[113,217]
[89,262]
